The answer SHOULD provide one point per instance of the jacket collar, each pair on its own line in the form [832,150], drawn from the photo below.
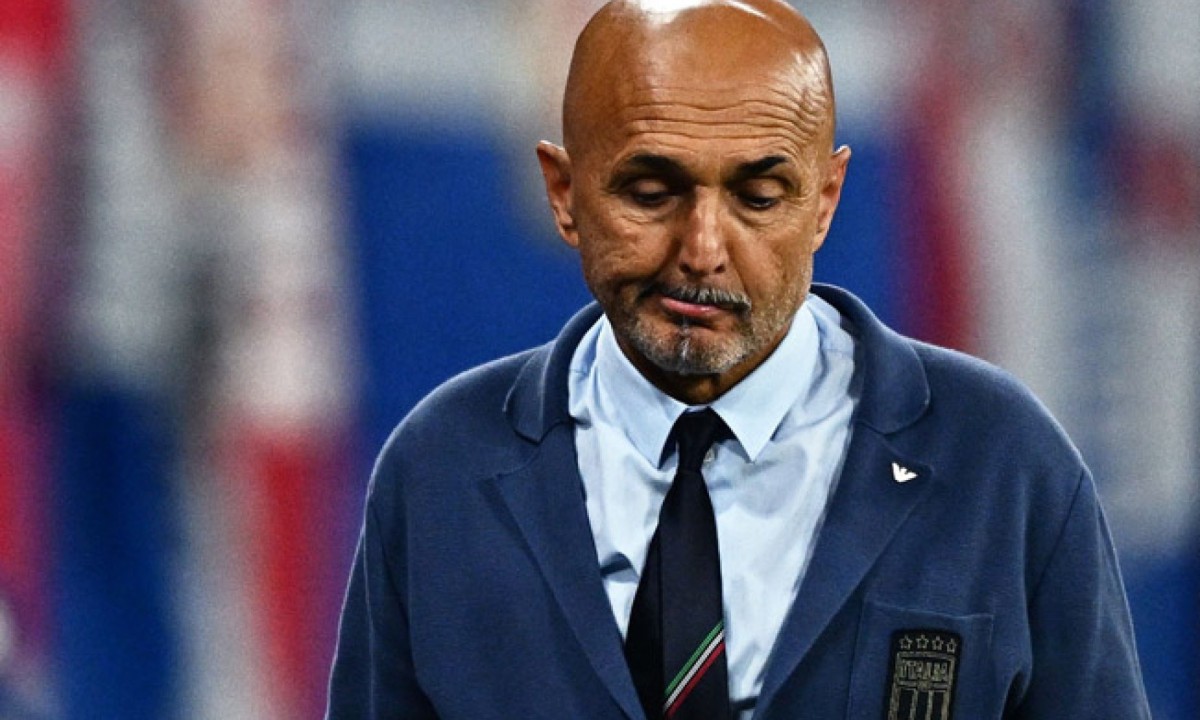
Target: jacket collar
[537,400]
[895,392]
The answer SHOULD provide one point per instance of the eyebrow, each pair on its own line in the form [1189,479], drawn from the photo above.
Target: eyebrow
[664,166]
[649,162]
[756,168]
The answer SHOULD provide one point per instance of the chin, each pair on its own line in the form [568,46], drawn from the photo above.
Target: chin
[680,350]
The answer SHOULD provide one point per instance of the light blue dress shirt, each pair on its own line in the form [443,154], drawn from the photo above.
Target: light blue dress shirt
[769,484]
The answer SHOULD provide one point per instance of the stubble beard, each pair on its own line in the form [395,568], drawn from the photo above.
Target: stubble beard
[681,349]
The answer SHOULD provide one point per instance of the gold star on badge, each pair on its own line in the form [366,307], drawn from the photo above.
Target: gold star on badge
[951,647]
[906,643]
[937,644]
[922,643]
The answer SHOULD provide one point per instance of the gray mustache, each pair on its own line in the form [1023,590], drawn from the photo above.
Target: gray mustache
[701,295]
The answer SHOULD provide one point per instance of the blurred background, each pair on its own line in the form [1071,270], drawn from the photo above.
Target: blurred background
[240,238]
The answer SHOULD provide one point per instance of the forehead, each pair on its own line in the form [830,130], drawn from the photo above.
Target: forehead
[709,110]
[708,122]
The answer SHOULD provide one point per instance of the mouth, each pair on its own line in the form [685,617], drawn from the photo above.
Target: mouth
[692,303]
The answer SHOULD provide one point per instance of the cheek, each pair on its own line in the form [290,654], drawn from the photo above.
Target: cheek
[797,264]
[614,249]
[776,270]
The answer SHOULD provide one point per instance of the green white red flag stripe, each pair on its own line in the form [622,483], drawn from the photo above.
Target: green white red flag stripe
[693,670]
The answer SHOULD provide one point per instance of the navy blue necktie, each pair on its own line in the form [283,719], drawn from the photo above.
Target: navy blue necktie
[675,645]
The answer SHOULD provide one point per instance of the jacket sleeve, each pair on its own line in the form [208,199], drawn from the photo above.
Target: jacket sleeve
[1085,662]
[373,676]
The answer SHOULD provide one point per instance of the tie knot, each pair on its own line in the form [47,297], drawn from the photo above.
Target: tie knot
[696,432]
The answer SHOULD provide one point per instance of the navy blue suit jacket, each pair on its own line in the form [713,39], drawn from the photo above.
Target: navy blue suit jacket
[476,594]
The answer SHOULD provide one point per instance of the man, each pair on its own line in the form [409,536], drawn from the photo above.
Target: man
[718,494]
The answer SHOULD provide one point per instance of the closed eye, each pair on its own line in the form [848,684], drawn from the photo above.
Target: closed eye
[760,193]
[762,184]
[758,202]
[649,193]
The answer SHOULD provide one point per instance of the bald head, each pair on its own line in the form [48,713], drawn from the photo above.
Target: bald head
[632,50]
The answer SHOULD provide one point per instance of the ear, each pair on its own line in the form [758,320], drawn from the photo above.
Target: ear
[556,171]
[831,192]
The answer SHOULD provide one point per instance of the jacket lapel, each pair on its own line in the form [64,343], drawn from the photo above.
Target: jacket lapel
[869,506]
[546,499]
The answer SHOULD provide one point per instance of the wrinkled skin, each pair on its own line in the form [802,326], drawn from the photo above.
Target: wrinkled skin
[697,181]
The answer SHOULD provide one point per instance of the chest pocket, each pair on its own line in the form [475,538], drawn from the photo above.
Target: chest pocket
[915,664]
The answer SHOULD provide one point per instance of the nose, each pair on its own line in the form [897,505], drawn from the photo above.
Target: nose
[702,249]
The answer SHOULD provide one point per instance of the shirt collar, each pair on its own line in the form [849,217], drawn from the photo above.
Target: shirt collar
[753,409]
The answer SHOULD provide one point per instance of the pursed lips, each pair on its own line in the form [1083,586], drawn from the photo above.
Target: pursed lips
[698,303]
[692,311]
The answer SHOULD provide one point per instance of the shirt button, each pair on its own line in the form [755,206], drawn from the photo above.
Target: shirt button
[710,455]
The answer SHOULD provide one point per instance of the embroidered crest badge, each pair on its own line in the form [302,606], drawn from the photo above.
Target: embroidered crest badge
[921,675]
